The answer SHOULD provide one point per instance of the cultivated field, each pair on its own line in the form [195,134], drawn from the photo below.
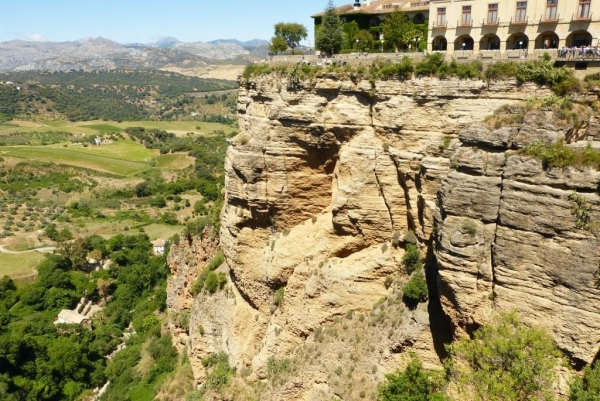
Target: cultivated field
[101,127]
[112,167]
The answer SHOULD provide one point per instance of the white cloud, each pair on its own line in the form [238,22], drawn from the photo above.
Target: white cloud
[34,37]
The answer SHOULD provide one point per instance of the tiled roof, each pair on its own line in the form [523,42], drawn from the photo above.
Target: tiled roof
[380,7]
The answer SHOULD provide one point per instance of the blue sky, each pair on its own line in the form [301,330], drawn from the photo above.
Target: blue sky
[143,21]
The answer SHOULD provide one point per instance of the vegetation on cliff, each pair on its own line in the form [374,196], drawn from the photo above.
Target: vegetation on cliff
[542,72]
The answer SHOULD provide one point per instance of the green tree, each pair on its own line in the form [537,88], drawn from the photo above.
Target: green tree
[330,35]
[413,384]
[291,32]
[398,30]
[351,29]
[505,361]
[278,44]
[365,40]
[586,388]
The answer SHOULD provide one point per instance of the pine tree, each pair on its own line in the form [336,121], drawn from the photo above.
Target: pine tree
[330,35]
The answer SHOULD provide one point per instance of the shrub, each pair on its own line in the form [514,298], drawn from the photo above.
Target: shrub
[412,258]
[505,361]
[219,370]
[278,297]
[469,227]
[586,388]
[412,384]
[415,290]
[429,65]
[500,70]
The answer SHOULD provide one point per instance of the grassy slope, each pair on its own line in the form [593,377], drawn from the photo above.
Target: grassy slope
[20,264]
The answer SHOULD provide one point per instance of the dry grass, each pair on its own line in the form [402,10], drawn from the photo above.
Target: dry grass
[19,265]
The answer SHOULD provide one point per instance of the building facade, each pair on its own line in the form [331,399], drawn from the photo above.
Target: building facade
[506,25]
[370,14]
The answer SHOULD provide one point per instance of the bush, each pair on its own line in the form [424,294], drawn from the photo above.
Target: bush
[586,388]
[219,370]
[505,361]
[415,290]
[412,258]
[429,65]
[412,384]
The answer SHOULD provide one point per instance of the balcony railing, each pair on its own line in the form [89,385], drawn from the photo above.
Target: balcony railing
[488,22]
[586,17]
[520,21]
[549,20]
[465,22]
[440,24]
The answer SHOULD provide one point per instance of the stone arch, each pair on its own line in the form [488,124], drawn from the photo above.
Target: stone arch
[547,40]
[439,43]
[491,41]
[419,19]
[579,38]
[465,40]
[517,41]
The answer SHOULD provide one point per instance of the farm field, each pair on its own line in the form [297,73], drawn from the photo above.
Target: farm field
[122,158]
[48,179]
[17,265]
[101,127]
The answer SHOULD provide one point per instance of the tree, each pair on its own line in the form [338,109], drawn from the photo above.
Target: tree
[398,30]
[365,40]
[330,35]
[278,44]
[291,32]
[414,384]
[350,31]
[506,361]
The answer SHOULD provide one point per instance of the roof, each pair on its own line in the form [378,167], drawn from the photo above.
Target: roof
[380,7]
[159,243]
[70,316]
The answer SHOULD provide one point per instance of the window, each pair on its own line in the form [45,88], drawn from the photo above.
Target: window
[584,9]
[551,7]
[466,15]
[521,11]
[492,13]
[441,16]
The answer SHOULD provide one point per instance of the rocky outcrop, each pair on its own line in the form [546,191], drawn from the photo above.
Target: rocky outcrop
[323,182]
[508,238]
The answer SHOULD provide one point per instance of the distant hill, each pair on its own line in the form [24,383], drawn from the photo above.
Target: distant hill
[246,45]
[101,53]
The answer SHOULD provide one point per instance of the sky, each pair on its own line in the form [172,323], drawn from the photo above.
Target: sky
[145,21]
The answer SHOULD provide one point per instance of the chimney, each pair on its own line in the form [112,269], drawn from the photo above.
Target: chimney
[367,2]
[356,5]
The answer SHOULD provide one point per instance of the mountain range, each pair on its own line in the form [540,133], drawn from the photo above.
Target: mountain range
[101,53]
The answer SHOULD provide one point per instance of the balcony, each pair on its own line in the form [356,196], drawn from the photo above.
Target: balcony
[440,24]
[582,17]
[491,22]
[519,21]
[549,20]
[468,22]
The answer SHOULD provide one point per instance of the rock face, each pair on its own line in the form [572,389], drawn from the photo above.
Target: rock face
[508,239]
[323,182]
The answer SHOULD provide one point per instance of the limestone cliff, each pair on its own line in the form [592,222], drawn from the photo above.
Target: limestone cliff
[322,184]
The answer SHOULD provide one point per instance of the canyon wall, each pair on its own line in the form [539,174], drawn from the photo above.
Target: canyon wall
[322,184]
